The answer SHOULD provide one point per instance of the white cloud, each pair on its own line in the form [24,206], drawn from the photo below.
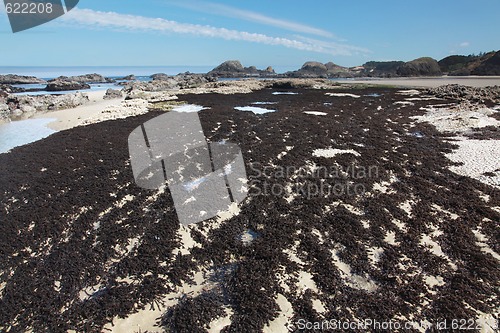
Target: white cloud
[113,20]
[251,16]
[340,48]
[464,44]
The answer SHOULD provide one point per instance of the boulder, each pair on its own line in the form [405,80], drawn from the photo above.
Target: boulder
[112,94]
[420,67]
[20,79]
[63,85]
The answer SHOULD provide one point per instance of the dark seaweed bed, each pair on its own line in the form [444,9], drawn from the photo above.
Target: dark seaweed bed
[52,192]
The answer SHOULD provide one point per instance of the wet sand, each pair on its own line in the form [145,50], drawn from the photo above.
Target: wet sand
[431,82]
[70,118]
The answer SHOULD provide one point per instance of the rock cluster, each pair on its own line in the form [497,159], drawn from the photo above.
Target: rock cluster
[87,78]
[314,69]
[15,107]
[466,93]
[234,68]
[164,82]
[20,79]
[66,85]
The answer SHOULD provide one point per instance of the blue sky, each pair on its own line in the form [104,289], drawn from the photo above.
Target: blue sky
[277,33]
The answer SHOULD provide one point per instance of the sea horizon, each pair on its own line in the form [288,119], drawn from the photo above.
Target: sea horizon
[50,72]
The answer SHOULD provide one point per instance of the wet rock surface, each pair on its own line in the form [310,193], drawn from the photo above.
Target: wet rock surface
[82,245]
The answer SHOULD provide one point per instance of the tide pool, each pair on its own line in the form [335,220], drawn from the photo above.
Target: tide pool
[22,132]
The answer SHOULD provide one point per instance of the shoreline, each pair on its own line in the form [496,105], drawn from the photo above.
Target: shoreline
[70,118]
[428,82]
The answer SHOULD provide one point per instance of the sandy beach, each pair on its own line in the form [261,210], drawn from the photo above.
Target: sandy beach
[431,82]
[70,118]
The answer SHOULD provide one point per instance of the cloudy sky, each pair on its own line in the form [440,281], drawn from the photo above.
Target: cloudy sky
[277,33]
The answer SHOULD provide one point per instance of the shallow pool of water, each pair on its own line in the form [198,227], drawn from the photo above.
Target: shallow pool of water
[18,133]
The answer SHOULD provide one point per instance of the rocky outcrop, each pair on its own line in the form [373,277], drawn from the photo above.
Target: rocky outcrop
[466,93]
[66,85]
[164,82]
[20,79]
[113,94]
[420,67]
[87,78]
[230,66]
[15,107]
[381,68]
[314,69]
[234,68]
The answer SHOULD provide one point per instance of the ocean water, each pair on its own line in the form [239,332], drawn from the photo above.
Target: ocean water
[93,87]
[18,133]
[108,71]
[141,72]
